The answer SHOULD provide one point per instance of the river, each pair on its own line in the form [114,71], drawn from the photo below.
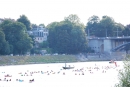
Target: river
[85,74]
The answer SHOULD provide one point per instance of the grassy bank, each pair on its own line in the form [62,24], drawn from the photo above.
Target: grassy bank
[20,60]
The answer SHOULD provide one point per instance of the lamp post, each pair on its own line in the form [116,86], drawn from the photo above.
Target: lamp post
[117,32]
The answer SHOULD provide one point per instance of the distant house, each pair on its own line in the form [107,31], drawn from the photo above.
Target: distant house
[40,34]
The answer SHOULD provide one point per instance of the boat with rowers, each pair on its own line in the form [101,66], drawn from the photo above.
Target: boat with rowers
[68,67]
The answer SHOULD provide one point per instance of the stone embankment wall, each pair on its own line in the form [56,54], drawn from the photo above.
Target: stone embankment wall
[118,56]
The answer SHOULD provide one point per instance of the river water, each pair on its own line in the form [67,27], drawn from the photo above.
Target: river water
[85,74]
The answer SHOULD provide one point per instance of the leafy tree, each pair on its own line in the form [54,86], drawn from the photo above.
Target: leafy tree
[4,46]
[78,40]
[24,44]
[23,19]
[92,27]
[126,31]
[16,36]
[67,36]
[106,27]
[34,26]
[72,18]
[42,25]
[62,38]
[52,25]
[107,24]
[44,44]
[52,34]
[118,29]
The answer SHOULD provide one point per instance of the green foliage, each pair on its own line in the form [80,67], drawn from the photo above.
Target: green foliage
[124,75]
[19,41]
[42,25]
[24,44]
[73,18]
[126,31]
[67,36]
[44,44]
[107,26]
[23,19]
[93,26]
[4,45]
[118,29]
[34,26]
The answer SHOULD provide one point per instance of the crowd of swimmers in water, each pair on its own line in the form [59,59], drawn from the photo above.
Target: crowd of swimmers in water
[75,71]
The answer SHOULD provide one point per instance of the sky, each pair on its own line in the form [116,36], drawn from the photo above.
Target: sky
[47,11]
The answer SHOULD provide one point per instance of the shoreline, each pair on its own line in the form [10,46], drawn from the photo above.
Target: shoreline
[26,60]
[53,63]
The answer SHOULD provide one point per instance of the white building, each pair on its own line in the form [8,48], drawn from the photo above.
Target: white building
[40,34]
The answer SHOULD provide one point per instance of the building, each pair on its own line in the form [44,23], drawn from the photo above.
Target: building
[40,34]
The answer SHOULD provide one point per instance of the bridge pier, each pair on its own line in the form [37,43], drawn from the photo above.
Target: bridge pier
[106,44]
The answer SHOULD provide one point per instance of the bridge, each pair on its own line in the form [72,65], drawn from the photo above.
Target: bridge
[108,44]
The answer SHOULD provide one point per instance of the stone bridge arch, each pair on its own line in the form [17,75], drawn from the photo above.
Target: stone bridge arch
[120,47]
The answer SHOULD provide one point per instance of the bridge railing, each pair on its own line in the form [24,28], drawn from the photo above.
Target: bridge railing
[123,37]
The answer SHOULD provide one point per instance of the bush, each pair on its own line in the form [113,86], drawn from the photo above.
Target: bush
[124,75]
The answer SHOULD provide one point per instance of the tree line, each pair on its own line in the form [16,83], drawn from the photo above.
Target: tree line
[65,37]
[106,27]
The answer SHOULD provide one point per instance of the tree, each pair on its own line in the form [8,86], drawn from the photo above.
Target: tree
[67,36]
[34,26]
[44,44]
[52,34]
[62,38]
[42,25]
[15,35]
[23,19]
[78,40]
[72,18]
[4,45]
[107,24]
[106,27]
[92,27]
[126,31]
[24,44]
[118,29]
[93,19]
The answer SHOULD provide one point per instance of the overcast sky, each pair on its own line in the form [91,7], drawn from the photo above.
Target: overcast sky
[47,11]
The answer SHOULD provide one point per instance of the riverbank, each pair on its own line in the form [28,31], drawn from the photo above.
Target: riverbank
[40,59]
[22,60]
